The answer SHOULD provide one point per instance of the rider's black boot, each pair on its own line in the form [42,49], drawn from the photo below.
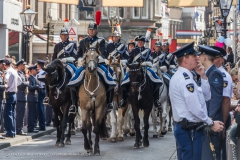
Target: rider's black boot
[109,106]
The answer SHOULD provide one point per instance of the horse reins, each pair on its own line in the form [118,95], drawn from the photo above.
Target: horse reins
[61,85]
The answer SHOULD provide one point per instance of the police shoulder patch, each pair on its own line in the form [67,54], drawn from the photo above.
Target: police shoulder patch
[223,74]
[215,81]
[186,76]
[190,87]
[225,84]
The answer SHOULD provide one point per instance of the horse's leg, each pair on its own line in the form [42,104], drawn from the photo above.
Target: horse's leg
[126,124]
[64,117]
[170,117]
[141,118]
[85,116]
[71,123]
[57,125]
[98,128]
[120,119]
[147,112]
[132,123]
[163,130]
[137,127]
[113,120]
[89,128]
[155,135]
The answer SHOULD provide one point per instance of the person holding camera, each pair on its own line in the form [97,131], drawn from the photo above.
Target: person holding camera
[188,101]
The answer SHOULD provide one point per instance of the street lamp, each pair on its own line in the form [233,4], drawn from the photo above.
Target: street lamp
[225,6]
[28,17]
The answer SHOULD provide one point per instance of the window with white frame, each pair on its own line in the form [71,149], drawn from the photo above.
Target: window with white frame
[157,8]
[141,12]
[145,9]
[136,12]
[89,15]
[104,12]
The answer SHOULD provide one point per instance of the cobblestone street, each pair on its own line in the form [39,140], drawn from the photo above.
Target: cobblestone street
[44,148]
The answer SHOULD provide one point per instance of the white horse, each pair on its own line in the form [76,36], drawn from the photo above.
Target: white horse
[163,98]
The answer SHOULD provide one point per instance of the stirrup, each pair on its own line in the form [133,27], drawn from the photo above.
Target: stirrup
[46,101]
[74,108]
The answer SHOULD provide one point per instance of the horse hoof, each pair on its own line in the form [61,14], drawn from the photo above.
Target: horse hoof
[68,142]
[89,150]
[61,145]
[136,145]
[160,135]
[113,139]
[126,131]
[120,139]
[155,136]
[163,133]
[170,129]
[73,132]
[145,144]
[96,152]
[57,143]
[104,138]
[132,134]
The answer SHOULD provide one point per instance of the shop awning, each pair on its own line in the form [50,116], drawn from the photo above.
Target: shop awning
[13,38]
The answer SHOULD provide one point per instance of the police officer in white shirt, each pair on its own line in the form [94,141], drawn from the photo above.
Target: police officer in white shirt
[11,78]
[227,95]
[188,104]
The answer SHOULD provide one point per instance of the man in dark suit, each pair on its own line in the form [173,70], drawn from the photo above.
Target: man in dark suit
[21,97]
[32,98]
[230,57]
[214,105]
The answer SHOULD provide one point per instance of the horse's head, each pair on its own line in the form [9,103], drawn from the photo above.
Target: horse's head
[54,72]
[115,64]
[136,76]
[91,58]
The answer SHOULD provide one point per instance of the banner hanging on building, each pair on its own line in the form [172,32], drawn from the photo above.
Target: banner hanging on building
[74,2]
[122,3]
[187,3]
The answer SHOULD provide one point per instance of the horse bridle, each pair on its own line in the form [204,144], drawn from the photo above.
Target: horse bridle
[85,56]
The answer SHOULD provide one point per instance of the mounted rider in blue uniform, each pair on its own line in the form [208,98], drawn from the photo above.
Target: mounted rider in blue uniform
[141,54]
[92,39]
[116,47]
[170,58]
[160,58]
[131,45]
[66,51]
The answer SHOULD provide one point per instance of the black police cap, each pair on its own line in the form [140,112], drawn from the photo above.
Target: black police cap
[32,67]
[221,50]
[40,61]
[20,62]
[208,51]
[7,61]
[186,50]
[140,38]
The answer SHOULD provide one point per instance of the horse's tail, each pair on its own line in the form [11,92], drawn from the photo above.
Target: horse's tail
[103,129]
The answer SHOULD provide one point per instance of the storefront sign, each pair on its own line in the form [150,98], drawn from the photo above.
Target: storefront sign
[14,21]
